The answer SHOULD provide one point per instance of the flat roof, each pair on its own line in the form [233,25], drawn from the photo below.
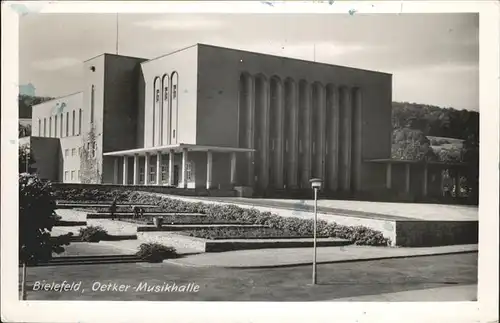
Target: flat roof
[405,161]
[176,148]
[294,59]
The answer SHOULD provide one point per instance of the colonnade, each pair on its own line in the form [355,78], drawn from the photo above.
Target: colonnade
[158,169]
[299,130]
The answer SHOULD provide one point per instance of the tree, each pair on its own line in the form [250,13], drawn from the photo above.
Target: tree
[26,160]
[24,130]
[26,102]
[36,219]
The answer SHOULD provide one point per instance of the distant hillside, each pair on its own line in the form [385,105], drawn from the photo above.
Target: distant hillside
[436,121]
[423,131]
[26,102]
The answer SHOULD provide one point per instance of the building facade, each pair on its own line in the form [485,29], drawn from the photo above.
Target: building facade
[209,117]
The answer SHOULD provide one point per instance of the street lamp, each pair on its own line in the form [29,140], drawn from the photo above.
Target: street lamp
[316,185]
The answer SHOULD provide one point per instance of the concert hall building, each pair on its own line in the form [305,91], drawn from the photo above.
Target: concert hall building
[207,117]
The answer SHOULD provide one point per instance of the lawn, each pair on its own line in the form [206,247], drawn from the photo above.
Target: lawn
[283,284]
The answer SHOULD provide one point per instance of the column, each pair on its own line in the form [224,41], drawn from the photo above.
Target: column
[294,141]
[158,168]
[357,124]
[388,176]
[307,138]
[265,137]
[147,160]
[171,157]
[184,167]
[136,169]
[115,171]
[335,121]
[407,178]
[251,129]
[209,170]
[322,132]
[280,140]
[347,135]
[125,170]
[426,178]
[233,168]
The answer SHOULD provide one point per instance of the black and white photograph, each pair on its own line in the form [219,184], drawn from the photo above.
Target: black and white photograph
[274,156]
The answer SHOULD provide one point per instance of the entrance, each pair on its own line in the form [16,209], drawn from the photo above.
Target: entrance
[176,175]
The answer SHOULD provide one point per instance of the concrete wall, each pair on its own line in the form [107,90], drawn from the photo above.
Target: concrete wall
[218,100]
[46,153]
[69,159]
[120,111]
[57,108]
[184,62]
[121,102]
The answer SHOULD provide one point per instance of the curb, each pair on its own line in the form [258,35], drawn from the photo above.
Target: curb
[320,262]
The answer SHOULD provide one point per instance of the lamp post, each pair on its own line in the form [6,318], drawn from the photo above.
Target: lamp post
[316,185]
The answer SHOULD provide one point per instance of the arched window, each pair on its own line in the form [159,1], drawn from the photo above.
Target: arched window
[156,109]
[165,111]
[39,127]
[174,106]
[45,127]
[55,125]
[50,126]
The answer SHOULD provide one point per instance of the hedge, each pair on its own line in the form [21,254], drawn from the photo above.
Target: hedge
[243,233]
[359,235]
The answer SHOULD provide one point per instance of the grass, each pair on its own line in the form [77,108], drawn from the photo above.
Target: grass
[283,284]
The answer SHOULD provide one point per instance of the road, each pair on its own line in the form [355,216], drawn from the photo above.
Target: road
[341,280]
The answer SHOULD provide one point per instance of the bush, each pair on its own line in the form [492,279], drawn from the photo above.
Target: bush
[155,252]
[37,217]
[93,234]
[358,235]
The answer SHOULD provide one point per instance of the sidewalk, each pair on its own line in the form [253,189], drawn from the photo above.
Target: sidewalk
[441,294]
[274,258]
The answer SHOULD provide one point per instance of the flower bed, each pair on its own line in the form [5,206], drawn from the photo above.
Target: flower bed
[244,233]
[301,227]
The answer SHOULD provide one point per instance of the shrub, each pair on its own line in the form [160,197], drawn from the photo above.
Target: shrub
[155,252]
[93,234]
[358,235]
[37,217]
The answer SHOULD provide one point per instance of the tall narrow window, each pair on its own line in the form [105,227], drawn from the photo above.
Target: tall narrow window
[92,98]
[39,127]
[55,125]
[50,126]
[45,127]
[61,128]
[80,121]
[73,123]
[67,124]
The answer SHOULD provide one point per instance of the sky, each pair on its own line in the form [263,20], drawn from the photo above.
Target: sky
[434,58]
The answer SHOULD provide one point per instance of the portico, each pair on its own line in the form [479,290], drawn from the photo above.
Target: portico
[179,165]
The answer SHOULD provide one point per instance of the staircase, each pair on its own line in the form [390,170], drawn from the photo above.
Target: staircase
[91,260]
